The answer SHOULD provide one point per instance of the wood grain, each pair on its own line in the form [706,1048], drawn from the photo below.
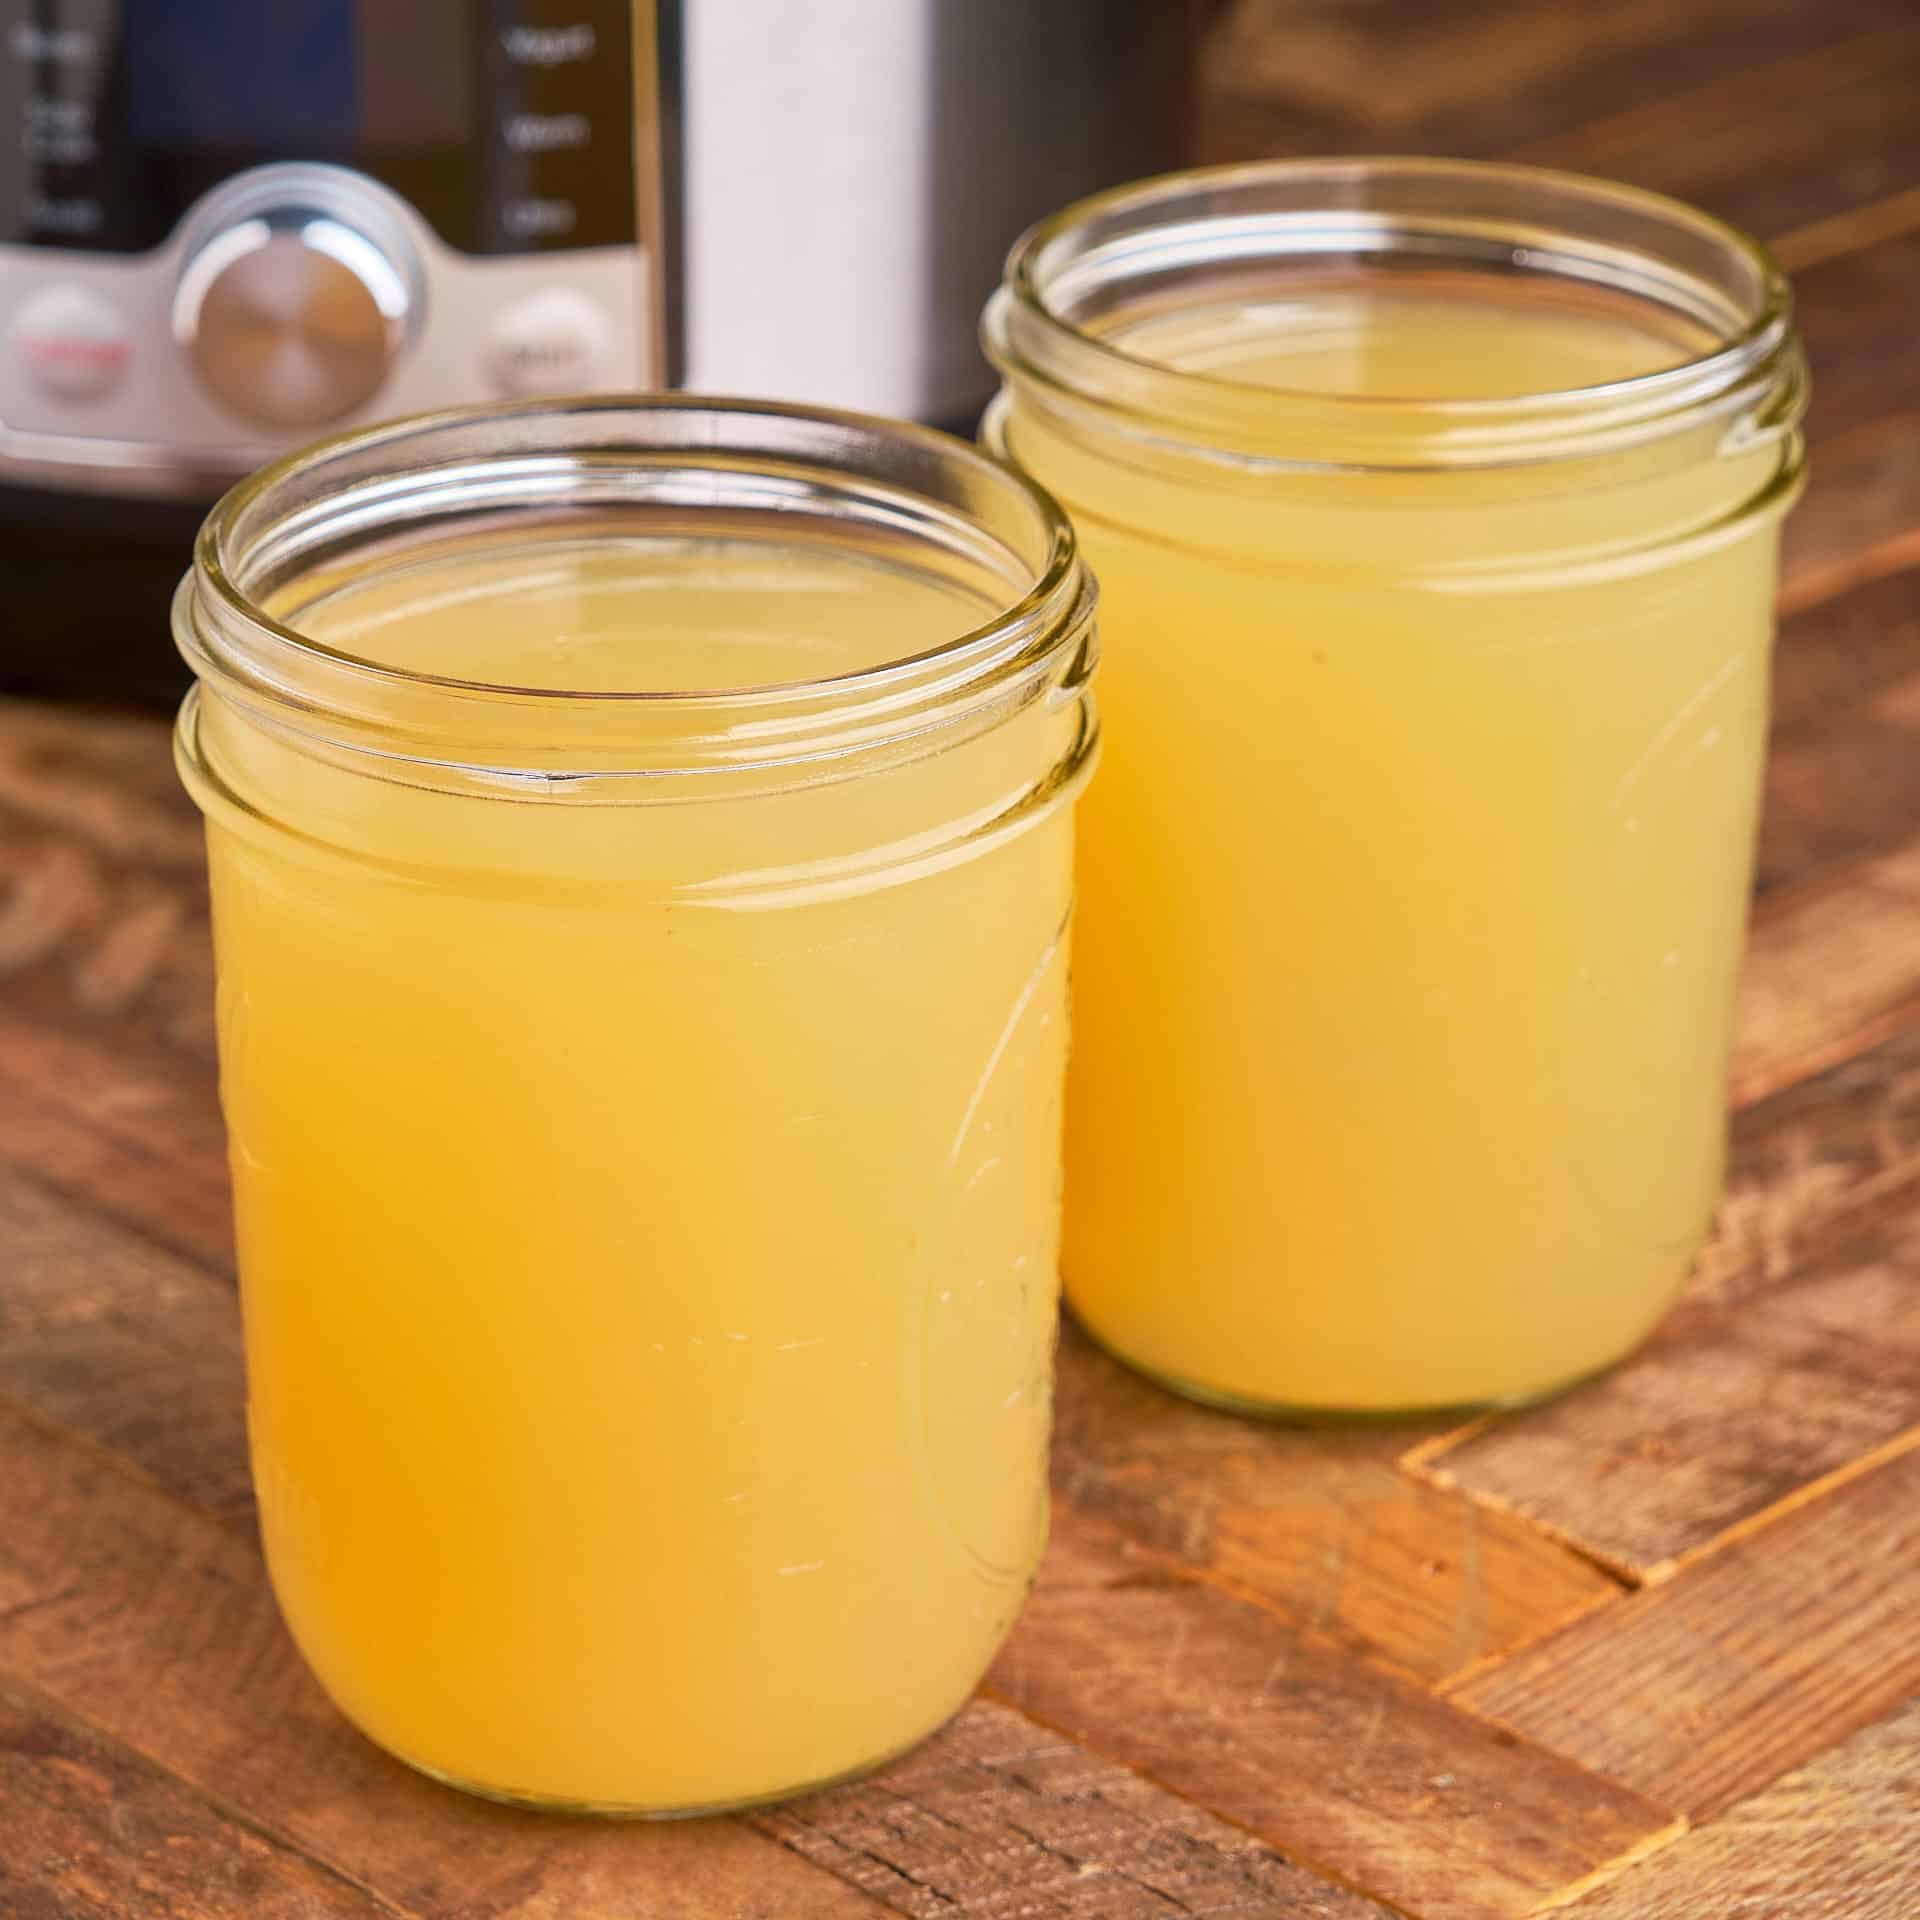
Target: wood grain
[1860,517]
[1832,968]
[1330,76]
[1726,1412]
[1841,1836]
[1808,1156]
[996,1817]
[1340,1765]
[125,1343]
[106,1067]
[150,1620]
[123,952]
[1743,145]
[1319,1526]
[1843,778]
[122,1133]
[1852,310]
[104,780]
[104,924]
[1747,1662]
[89,1832]
[1265,1673]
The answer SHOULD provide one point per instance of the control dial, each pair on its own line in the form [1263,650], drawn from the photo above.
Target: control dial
[298,297]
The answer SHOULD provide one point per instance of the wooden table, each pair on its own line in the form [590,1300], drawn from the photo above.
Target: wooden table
[1652,1650]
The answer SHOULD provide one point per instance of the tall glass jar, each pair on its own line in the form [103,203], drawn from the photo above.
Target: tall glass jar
[1436,508]
[641,842]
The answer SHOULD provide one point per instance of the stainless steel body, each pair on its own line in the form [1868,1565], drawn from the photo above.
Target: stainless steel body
[854,171]
[228,225]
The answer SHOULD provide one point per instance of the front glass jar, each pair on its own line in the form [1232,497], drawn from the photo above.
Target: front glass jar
[1436,508]
[641,840]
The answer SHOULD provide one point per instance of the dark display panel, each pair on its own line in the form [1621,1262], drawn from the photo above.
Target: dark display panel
[508,124]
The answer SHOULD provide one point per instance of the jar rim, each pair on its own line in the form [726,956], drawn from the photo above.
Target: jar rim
[1512,218]
[693,454]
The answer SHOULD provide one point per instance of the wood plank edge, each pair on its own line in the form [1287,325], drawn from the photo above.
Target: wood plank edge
[1888,429]
[1624,1572]
[1854,231]
[1891,1190]
[1720,1269]
[1360,1649]
[1776,1076]
[1611,1870]
[1425,1462]
[1292,1855]
[1660,1572]
[100,1206]
[1805,1495]
[1671,1822]
[1471,1670]
[1356,1647]
[1416,1457]
[1158,1566]
[1880,561]
[222,1514]
[92,1203]
[51,1708]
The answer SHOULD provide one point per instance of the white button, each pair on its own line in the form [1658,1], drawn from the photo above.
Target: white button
[554,341]
[73,341]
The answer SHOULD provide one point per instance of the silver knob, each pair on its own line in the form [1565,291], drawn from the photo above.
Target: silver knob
[292,315]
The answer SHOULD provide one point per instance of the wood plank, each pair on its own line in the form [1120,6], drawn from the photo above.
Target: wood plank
[120,950]
[1854,311]
[997,1817]
[1843,773]
[105,780]
[1868,225]
[1726,1412]
[1780,149]
[1860,516]
[1339,1764]
[107,1078]
[126,1135]
[1848,651]
[1833,967]
[125,1343]
[1805,1158]
[1839,1837]
[1318,1525]
[153,1622]
[93,1833]
[1330,76]
[103,909]
[1747,1662]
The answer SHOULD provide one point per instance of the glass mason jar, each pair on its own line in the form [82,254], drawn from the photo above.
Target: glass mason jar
[1436,509]
[641,841]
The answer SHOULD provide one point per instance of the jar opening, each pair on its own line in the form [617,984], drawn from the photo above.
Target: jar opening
[1395,313]
[460,587]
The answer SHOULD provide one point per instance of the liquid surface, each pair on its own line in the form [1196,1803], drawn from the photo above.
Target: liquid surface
[622,613]
[1421,343]
[1412,888]
[648,1232]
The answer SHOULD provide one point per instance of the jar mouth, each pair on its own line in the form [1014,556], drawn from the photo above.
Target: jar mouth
[1164,244]
[669,464]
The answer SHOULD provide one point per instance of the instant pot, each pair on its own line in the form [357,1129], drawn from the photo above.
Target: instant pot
[231,226]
